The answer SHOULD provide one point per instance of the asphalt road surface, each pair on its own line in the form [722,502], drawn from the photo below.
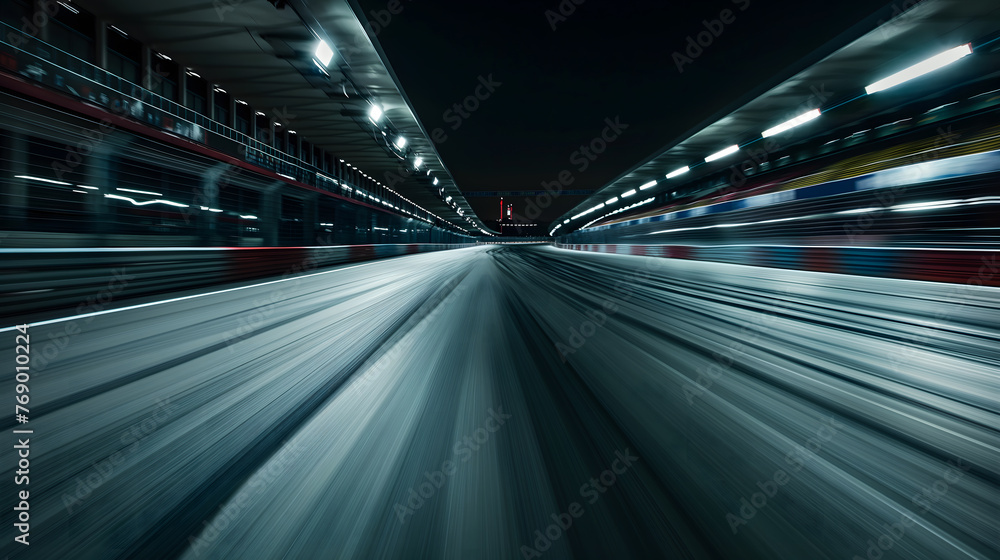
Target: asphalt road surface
[519,402]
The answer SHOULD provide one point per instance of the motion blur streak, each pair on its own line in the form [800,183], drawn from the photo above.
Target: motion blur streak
[457,404]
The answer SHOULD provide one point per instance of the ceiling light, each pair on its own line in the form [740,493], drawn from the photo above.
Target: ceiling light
[801,119]
[921,68]
[323,53]
[723,153]
[648,185]
[679,171]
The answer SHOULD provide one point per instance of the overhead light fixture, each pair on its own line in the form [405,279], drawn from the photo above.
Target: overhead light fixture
[323,53]
[219,90]
[679,171]
[648,185]
[627,194]
[241,102]
[723,153]
[611,200]
[161,55]
[921,68]
[801,119]
[400,142]
[193,74]
[375,113]
[86,187]
[120,31]
[436,181]
[418,162]
[261,114]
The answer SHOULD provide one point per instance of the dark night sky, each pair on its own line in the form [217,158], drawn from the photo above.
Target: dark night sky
[607,59]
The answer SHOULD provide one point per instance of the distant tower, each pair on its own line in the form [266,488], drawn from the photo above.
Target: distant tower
[501,208]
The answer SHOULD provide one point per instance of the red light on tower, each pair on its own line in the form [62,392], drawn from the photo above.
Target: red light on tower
[501,208]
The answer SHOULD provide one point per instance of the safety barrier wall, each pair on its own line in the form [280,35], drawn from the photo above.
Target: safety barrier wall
[974,267]
[87,280]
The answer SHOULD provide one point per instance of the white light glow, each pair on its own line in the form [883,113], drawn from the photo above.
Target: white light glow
[801,119]
[148,202]
[324,54]
[723,153]
[919,69]
[611,200]
[150,193]
[400,142]
[436,181]
[375,113]
[418,162]
[677,172]
[648,185]
[627,194]
[29,177]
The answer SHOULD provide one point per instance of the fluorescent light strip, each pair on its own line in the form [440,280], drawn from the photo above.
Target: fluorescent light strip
[723,153]
[648,185]
[931,64]
[678,171]
[611,200]
[627,194]
[801,119]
